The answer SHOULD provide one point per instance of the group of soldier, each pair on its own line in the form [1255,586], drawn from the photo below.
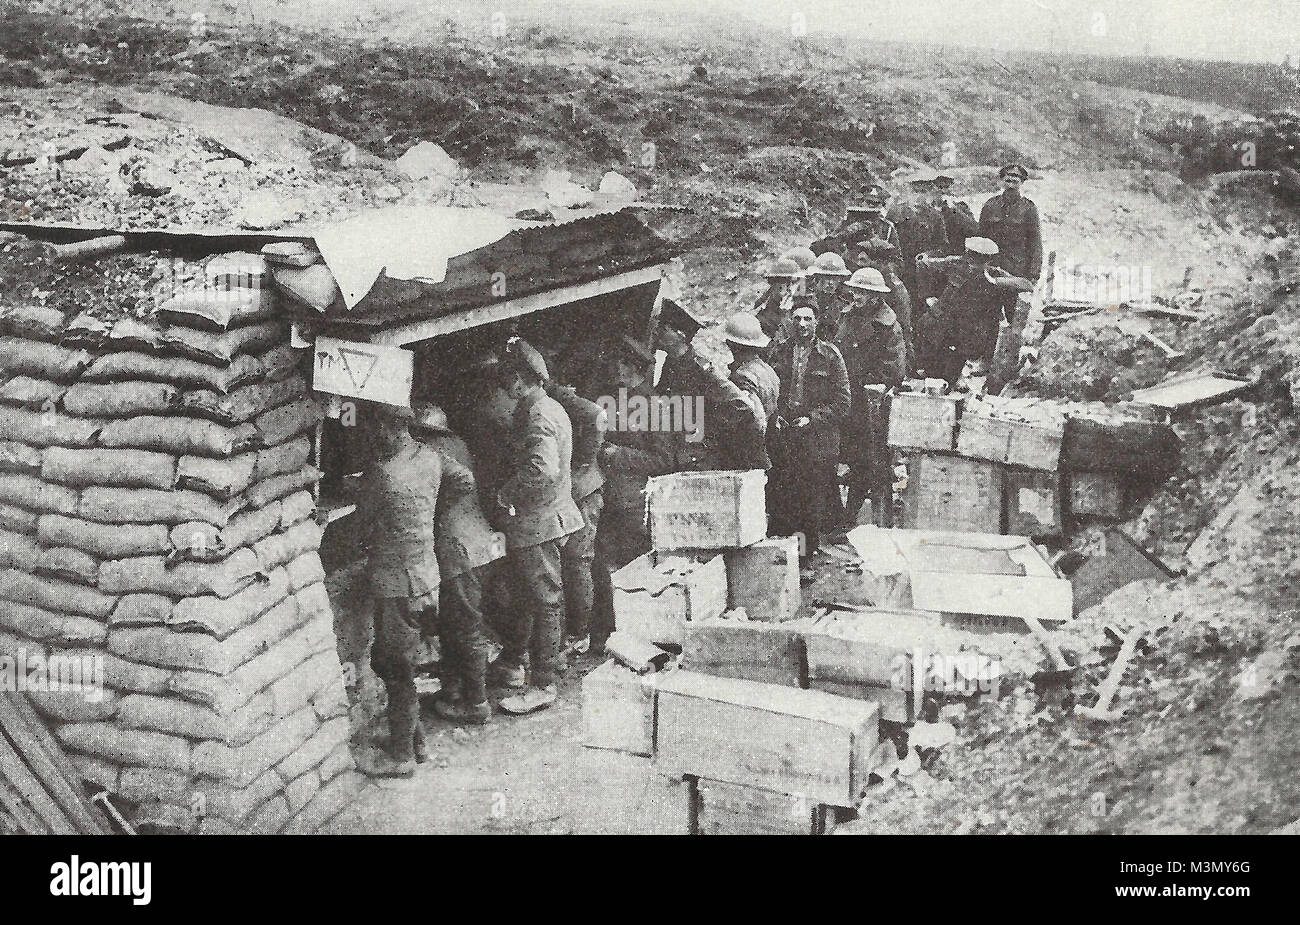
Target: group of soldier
[510,520]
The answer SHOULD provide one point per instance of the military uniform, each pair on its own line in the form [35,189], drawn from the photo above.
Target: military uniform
[874,354]
[1012,224]
[579,551]
[965,324]
[466,546]
[400,498]
[540,514]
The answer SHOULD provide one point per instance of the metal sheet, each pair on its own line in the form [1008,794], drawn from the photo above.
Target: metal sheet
[1192,390]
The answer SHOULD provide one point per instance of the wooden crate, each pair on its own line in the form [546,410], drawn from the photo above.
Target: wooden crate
[753,651]
[707,510]
[618,709]
[1033,502]
[764,578]
[953,493]
[762,735]
[1096,494]
[723,808]
[919,421]
[1016,443]
[655,605]
[895,706]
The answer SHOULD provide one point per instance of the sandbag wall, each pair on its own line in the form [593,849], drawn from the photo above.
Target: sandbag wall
[156,510]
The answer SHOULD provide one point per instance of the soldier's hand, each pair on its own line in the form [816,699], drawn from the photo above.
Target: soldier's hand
[802,422]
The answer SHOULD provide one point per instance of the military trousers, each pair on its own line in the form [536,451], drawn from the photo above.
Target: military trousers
[463,644]
[537,626]
[576,558]
[394,656]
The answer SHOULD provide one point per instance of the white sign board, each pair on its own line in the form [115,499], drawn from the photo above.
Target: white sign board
[359,370]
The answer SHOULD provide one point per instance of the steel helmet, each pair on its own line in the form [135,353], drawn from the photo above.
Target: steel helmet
[803,257]
[743,329]
[868,278]
[783,268]
[829,264]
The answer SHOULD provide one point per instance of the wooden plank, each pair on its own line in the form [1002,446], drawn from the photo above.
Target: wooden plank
[1017,443]
[779,738]
[735,809]
[993,595]
[1122,563]
[1192,390]
[895,706]
[656,607]
[857,661]
[764,579]
[754,651]
[923,422]
[953,493]
[618,710]
[33,748]
[514,308]
[1033,502]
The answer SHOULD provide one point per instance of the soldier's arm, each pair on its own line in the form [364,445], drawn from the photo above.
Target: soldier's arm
[837,409]
[636,460]
[1034,244]
[586,418]
[896,362]
[456,475]
[540,469]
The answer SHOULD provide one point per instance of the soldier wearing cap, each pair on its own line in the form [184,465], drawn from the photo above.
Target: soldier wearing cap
[815,400]
[399,495]
[826,279]
[467,547]
[737,407]
[963,320]
[1010,220]
[539,516]
[871,342]
[773,307]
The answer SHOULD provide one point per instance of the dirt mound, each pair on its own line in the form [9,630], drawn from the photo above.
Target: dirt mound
[1096,358]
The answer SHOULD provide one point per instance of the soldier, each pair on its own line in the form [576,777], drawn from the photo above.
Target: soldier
[871,342]
[803,258]
[867,223]
[587,422]
[633,451]
[467,546]
[773,307]
[920,225]
[814,402]
[1010,220]
[825,278]
[400,496]
[540,514]
[963,321]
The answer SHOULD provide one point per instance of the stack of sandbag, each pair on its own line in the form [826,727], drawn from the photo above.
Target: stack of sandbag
[156,508]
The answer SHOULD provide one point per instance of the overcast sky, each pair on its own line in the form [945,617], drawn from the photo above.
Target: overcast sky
[1227,29]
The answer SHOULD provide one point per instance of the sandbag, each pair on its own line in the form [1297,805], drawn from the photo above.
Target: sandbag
[34,322]
[282,459]
[217,309]
[312,286]
[17,520]
[295,690]
[75,706]
[17,550]
[141,610]
[46,428]
[220,349]
[336,762]
[132,366]
[270,818]
[281,486]
[51,627]
[306,570]
[120,399]
[332,799]
[331,701]
[148,506]
[100,774]
[167,648]
[55,595]
[246,402]
[202,542]
[127,676]
[86,330]
[104,541]
[244,764]
[327,737]
[237,270]
[280,549]
[295,507]
[222,616]
[68,564]
[281,362]
[109,467]
[154,575]
[46,361]
[19,457]
[288,421]
[180,717]
[299,791]
[133,334]
[126,746]
[33,494]
[150,785]
[221,478]
[178,435]
[27,392]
